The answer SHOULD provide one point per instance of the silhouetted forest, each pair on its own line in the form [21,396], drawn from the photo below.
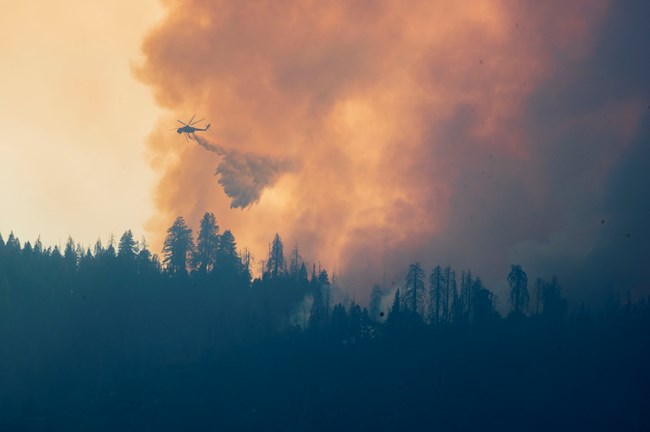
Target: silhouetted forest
[113,338]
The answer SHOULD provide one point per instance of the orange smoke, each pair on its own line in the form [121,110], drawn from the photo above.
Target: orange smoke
[383,106]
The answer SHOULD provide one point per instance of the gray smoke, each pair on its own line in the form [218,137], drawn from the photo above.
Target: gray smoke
[244,176]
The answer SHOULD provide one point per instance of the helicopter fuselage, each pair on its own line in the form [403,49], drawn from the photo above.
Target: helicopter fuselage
[191,129]
[188,130]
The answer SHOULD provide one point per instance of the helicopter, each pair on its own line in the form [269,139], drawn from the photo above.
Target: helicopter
[188,128]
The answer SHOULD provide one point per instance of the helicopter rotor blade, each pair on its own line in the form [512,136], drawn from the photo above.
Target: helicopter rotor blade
[197,121]
[184,124]
[171,129]
[190,122]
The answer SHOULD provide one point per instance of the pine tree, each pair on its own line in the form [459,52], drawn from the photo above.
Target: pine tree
[320,308]
[110,249]
[144,258]
[414,289]
[98,250]
[127,246]
[178,247]
[227,259]
[70,256]
[275,265]
[207,243]
[13,243]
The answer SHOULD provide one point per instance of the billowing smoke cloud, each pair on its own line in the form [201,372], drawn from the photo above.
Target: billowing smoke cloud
[243,176]
[475,134]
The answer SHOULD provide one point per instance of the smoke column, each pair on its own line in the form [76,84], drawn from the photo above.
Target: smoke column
[476,134]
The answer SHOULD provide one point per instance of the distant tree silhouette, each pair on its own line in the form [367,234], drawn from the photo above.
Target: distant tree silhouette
[275,264]
[178,247]
[228,263]
[464,302]
[13,244]
[394,318]
[207,243]
[246,262]
[98,249]
[110,249]
[296,263]
[56,254]
[437,288]
[127,247]
[414,294]
[302,273]
[483,303]
[450,293]
[320,308]
[70,256]
[38,246]
[518,281]
[27,249]
[146,263]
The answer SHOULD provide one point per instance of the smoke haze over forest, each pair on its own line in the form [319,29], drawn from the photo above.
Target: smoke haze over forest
[392,215]
[476,134]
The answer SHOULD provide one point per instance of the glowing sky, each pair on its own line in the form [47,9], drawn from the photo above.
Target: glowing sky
[476,134]
[73,119]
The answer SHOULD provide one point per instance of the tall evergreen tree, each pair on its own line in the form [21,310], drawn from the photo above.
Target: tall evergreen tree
[144,259]
[227,259]
[70,256]
[178,247]
[275,265]
[320,308]
[127,246]
[12,242]
[110,249]
[98,249]
[207,243]
[414,294]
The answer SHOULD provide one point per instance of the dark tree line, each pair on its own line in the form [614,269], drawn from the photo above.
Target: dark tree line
[438,299]
[86,334]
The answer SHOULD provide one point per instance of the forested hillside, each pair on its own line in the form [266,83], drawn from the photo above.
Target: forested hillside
[114,338]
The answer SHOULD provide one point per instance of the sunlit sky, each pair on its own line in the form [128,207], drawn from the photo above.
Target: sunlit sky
[476,134]
[73,119]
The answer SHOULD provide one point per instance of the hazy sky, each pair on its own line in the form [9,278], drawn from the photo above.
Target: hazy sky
[477,134]
[73,119]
